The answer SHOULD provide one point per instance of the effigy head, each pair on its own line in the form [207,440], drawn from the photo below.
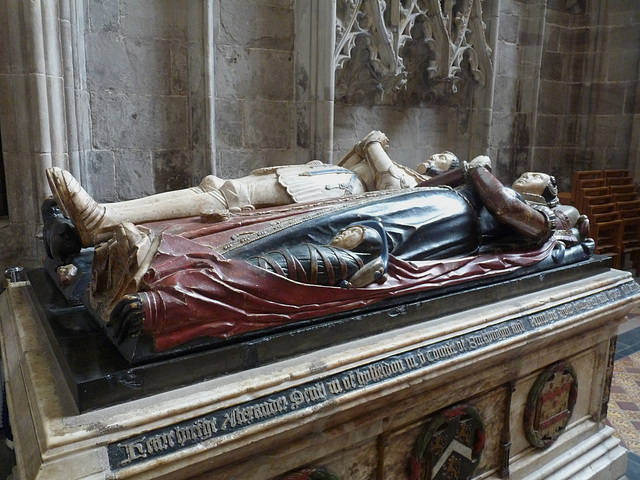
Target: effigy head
[539,184]
[349,238]
[439,163]
[368,241]
[360,238]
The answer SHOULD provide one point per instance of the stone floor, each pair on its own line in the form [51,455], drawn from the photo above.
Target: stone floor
[624,405]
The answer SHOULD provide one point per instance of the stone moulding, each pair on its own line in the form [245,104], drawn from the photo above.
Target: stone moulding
[453,31]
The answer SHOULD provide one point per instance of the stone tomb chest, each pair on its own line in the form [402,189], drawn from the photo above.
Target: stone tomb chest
[506,380]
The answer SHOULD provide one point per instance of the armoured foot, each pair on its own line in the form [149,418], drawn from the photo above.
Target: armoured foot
[87,215]
[61,239]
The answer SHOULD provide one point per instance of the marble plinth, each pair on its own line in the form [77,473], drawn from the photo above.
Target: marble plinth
[362,409]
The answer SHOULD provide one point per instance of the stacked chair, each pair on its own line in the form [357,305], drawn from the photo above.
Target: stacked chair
[610,199]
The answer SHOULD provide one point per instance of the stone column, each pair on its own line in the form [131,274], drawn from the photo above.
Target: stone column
[202,29]
[32,113]
[315,22]
[72,18]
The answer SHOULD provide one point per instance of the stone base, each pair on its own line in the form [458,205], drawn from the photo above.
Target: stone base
[586,451]
[471,392]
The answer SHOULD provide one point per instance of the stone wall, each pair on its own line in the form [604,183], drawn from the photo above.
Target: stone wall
[137,74]
[421,120]
[254,82]
[563,96]
[517,78]
[588,87]
[146,63]
[139,97]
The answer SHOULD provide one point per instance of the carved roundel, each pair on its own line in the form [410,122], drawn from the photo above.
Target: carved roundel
[550,404]
[450,446]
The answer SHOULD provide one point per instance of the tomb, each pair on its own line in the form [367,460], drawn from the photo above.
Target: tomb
[508,379]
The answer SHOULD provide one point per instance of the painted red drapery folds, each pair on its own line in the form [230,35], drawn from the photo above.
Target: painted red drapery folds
[195,289]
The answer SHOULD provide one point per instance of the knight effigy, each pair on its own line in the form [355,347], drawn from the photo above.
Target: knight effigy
[295,243]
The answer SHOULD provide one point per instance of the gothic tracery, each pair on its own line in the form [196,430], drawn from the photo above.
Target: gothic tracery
[390,31]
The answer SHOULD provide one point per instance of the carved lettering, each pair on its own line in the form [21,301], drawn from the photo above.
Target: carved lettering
[198,431]
[308,395]
[133,451]
[380,371]
[422,358]
[614,295]
[440,352]
[630,288]
[348,381]
[486,338]
[517,327]
[411,362]
[161,442]
[334,387]
[246,415]
[566,310]
[544,318]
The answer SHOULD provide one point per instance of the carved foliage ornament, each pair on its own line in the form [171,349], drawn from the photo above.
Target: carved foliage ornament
[453,30]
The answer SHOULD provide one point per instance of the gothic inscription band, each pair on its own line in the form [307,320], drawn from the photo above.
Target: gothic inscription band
[231,420]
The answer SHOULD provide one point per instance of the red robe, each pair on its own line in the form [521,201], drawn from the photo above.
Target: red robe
[192,290]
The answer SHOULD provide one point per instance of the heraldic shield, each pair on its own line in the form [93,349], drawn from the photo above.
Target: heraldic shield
[450,447]
[550,404]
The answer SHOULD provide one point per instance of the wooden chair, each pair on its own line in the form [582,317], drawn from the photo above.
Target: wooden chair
[587,185]
[596,202]
[607,232]
[624,197]
[584,174]
[578,176]
[602,208]
[611,181]
[631,236]
[629,188]
[629,205]
[605,217]
[594,196]
[616,173]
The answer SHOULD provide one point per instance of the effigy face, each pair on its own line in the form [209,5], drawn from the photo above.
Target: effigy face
[438,163]
[532,182]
